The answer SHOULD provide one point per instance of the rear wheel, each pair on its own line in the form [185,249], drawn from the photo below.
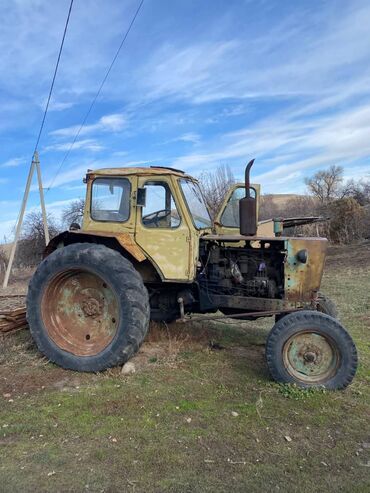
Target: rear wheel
[87,307]
[311,349]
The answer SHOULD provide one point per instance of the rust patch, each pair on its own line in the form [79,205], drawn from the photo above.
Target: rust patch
[310,357]
[80,312]
[126,241]
[302,280]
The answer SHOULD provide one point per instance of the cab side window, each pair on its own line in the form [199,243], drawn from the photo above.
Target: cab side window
[110,199]
[160,210]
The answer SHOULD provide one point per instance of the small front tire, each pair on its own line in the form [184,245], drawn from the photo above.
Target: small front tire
[326,305]
[311,349]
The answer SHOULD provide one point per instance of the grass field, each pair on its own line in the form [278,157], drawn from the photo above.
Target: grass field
[192,417]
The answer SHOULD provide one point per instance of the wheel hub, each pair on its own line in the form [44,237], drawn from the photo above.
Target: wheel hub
[80,312]
[310,357]
[91,307]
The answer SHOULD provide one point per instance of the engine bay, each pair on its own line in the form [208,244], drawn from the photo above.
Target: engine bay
[246,271]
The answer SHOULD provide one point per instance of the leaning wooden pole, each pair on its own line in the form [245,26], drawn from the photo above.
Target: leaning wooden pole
[42,200]
[19,224]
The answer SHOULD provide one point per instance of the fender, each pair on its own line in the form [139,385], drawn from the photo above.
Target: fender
[124,239]
[122,242]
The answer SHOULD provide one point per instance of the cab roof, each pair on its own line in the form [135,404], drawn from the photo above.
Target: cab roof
[143,171]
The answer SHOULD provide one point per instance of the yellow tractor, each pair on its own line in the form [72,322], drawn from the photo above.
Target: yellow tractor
[147,249]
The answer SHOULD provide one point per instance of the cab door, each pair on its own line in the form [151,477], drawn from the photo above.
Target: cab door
[227,220]
[161,229]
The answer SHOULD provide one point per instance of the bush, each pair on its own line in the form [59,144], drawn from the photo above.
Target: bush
[346,220]
[31,244]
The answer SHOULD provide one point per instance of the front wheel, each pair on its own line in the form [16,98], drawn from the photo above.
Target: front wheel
[311,349]
[326,305]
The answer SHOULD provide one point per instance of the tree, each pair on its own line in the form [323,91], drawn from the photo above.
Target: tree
[32,240]
[360,191]
[73,213]
[326,185]
[3,263]
[294,206]
[346,220]
[215,185]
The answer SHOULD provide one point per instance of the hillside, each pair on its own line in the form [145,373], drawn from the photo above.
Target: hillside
[281,199]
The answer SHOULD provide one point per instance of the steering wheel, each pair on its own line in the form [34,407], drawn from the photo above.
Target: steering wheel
[155,217]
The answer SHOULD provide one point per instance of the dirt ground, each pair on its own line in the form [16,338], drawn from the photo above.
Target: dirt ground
[357,255]
[199,412]
[163,342]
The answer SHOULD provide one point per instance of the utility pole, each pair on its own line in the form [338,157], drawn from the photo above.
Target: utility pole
[35,164]
[42,200]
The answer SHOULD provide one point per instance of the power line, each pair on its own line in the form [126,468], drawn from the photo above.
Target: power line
[96,96]
[52,85]
[35,163]
[54,76]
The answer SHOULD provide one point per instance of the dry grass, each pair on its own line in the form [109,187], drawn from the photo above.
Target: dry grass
[192,418]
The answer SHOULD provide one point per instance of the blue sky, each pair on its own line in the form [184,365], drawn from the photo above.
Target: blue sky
[197,84]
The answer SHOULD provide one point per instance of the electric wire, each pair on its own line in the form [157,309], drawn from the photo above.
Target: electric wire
[95,97]
[51,86]
[54,77]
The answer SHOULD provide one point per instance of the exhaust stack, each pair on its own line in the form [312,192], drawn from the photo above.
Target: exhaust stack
[247,207]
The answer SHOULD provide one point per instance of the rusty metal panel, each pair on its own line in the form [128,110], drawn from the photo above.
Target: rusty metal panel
[302,280]
[238,237]
[127,242]
[141,171]
[124,239]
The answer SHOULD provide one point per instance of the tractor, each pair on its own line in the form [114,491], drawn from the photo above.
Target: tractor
[147,249]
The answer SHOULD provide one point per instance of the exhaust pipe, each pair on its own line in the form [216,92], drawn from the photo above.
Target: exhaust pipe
[247,207]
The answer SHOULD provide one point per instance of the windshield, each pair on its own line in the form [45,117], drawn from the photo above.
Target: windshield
[196,205]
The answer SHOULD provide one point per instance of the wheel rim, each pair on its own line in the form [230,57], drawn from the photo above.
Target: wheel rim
[311,357]
[80,312]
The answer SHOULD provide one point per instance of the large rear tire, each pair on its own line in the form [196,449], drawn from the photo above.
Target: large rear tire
[87,308]
[311,349]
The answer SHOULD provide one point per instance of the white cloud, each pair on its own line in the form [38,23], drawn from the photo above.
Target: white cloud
[177,71]
[72,174]
[307,68]
[13,163]
[108,123]
[56,105]
[77,172]
[87,144]
[287,148]
[59,106]
[191,137]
